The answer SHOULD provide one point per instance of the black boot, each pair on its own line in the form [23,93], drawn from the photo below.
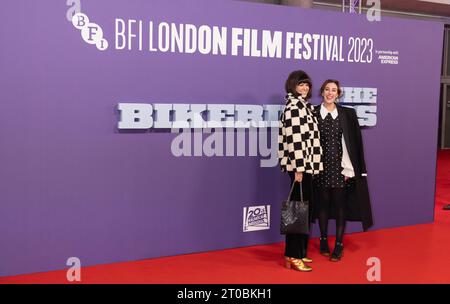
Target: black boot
[338,252]
[324,249]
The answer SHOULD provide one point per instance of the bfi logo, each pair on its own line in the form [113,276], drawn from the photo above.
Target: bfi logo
[91,32]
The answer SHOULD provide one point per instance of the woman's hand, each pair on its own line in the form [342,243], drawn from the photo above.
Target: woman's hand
[298,177]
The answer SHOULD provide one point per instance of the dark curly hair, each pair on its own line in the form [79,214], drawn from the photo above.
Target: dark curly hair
[294,79]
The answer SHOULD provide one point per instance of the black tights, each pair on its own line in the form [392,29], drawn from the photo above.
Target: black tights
[331,197]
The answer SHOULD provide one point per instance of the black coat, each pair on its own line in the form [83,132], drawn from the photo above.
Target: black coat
[358,199]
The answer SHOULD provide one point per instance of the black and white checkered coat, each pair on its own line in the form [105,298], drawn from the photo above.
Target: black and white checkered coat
[299,138]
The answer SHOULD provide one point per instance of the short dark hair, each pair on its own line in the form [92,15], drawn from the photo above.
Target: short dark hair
[336,82]
[295,78]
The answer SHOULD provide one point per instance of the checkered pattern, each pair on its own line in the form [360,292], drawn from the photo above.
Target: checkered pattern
[299,138]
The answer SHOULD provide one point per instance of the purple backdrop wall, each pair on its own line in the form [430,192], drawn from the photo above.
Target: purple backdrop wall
[71,184]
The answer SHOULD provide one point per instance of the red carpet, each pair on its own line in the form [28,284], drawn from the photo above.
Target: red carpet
[414,254]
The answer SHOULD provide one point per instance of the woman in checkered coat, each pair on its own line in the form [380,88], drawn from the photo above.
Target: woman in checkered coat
[299,154]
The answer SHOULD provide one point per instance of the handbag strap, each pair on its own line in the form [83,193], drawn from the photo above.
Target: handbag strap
[292,188]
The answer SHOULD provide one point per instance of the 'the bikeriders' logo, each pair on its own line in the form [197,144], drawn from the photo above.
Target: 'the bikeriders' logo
[233,130]
[226,124]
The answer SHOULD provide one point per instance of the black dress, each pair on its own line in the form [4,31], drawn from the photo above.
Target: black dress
[331,142]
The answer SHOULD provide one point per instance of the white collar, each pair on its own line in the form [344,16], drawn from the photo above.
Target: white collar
[324,112]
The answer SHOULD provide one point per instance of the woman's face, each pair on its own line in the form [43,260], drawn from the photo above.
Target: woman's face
[330,93]
[302,89]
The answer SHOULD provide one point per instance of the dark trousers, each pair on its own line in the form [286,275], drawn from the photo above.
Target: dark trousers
[297,244]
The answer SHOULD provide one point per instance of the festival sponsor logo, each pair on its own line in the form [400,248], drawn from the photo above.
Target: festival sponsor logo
[256,218]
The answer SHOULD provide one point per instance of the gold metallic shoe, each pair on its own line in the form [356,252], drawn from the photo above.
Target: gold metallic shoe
[297,264]
[307,260]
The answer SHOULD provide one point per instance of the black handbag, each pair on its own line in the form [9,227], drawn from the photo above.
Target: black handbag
[295,215]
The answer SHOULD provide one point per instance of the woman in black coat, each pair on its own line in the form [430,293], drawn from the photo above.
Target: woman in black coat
[341,190]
